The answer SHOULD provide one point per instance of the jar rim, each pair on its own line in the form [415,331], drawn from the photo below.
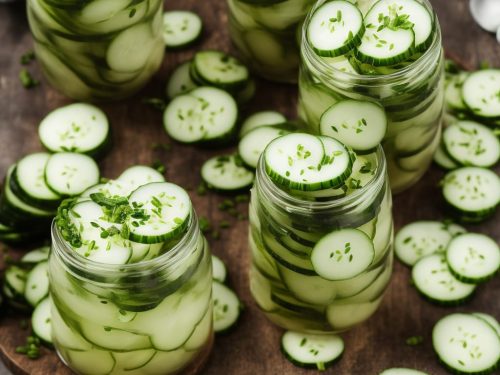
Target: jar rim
[164,261]
[282,198]
[320,65]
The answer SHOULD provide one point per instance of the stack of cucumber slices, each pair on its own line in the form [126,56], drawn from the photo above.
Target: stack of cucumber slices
[447,262]
[37,183]
[392,32]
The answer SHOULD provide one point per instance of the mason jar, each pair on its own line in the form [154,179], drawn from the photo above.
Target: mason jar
[411,93]
[284,231]
[97,50]
[150,317]
[267,34]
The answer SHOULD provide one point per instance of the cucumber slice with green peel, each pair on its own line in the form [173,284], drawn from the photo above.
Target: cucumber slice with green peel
[41,321]
[253,143]
[37,284]
[100,11]
[181,28]
[28,181]
[94,361]
[402,371]
[360,125]
[260,288]
[201,333]
[472,192]
[481,93]
[259,119]
[226,173]
[342,254]
[262,260]
[139,175]
[335,28]
[466,344]
[342,316]
[305,162]
[205,114]
[130,50]
[219,270]
[78,127]
[421,238]
[442,159]
[15,278]
[453,92]
[473,257]
[217,68]
[455,229]
[311,351]
[227,307]
[133,360]
[490,320]
[36,256]
[470,143]
[167,208]
[70,174]
[180,81]
[64,335]
[433,279]
[290,305]
[109,338]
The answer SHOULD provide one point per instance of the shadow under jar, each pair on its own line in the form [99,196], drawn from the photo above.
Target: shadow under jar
[267,34]
[285,230]
[412,93]
[150,317]
[97,50]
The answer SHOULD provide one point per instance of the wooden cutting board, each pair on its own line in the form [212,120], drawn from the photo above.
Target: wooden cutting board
[253,347]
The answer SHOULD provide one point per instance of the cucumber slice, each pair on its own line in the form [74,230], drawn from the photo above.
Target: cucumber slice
[455,229]
[481,94]
[216,68]
[101,11]
[311,351]
[167,208]
[342,254]
[466,344]
[442,159]
[253,143]
[181,28]
[473,257]
[205,114]
[358,124]
[402,371]
[470,143]
[131,49]
[490,320]
[227,307]
[113,339]
[420,238]
[486,14]
[78,127]
[335,28]
[219,270]
[180,81]
[474,193]
[226,173]
[305,162]
[41,321]
[133,360]
[15,278]
[139,175]
[453,92]
[94,361]
[342,316]
[201,334]
[259,119]
[433,280]
[70,174]
[36,256]
[37,284]
[66,336]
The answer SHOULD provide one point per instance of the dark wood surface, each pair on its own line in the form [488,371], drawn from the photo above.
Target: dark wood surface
[253,347]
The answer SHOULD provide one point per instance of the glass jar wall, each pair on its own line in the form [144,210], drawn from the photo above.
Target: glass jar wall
[284,230]
[97,50]
[151,317]
[411,93]
[267,34]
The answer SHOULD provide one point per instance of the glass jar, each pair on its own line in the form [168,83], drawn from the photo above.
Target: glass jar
[267,34]
[412,95]
[97,50]
[283,231]
[151,317]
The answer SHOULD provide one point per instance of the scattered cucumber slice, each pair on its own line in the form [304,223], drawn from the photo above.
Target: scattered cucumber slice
[181,28]
[402,371]
[217,68]
[226,173]
[433,279]
[466,344]
[139,175]
[227,307]
[37,284]
[36,256]
[342,254]
[442,159]
[311,351]
[262,118]
[473,257]
[41,321]
[180,81]
[358,124]
[481,93]
[490,320]
[219,270]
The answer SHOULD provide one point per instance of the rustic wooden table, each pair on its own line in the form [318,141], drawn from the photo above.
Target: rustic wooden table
[252,348]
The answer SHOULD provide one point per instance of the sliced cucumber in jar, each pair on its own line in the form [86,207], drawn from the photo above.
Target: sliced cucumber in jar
[342,316]
[181,28]
[226,173]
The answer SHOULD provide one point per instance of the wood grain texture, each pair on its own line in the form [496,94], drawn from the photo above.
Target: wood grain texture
[253,347]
